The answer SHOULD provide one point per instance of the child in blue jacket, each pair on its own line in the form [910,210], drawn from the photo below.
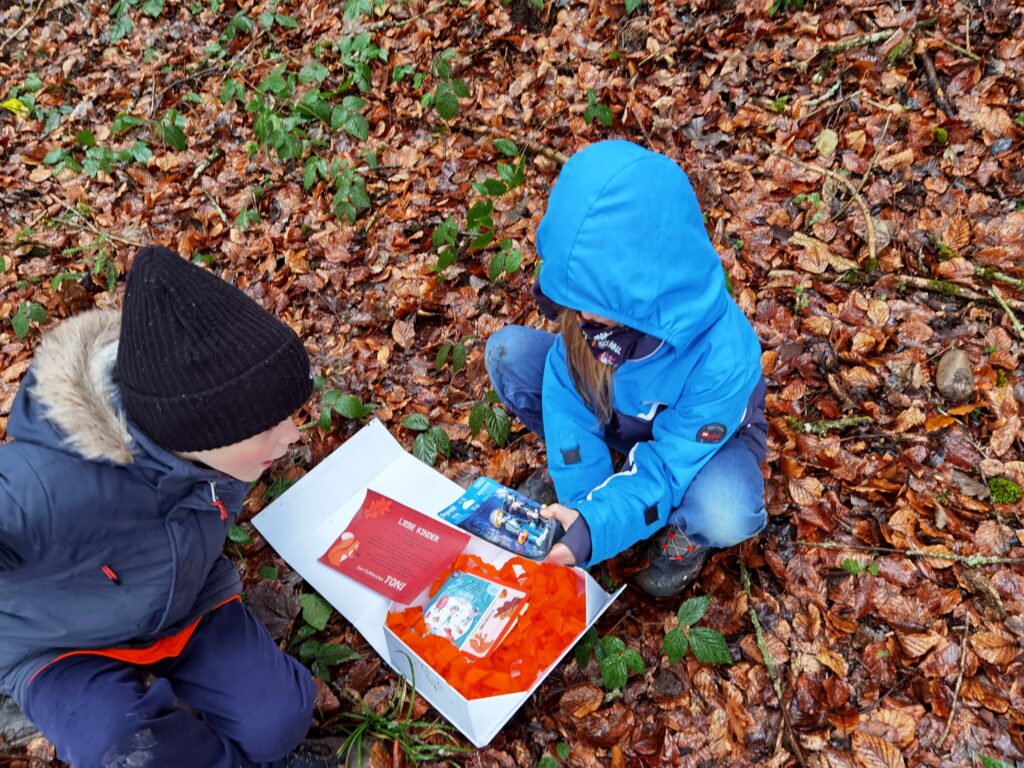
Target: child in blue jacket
[135,436]
[653,359]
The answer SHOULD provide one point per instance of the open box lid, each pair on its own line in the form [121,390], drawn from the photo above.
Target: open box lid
[303,521]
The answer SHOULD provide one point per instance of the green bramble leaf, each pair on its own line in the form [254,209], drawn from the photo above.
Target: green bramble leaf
[459,355]
[440,440]
[634,661]
[506,147]
[585,648]
[675,645]
[709,646]
[442,355]
[693,610]
[477,416]
[547,762]
[498,425]
[613,672]
[415,421]
[562,750]
[315,610]
[991,762]
[424,449]
[238,535]
[852,567]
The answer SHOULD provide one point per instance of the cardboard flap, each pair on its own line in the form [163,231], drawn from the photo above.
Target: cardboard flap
[304,520]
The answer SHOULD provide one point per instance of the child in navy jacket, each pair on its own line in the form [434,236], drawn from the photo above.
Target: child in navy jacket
[653,359]
[136,434]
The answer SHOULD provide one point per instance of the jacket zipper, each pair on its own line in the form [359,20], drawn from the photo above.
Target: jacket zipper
[218,503]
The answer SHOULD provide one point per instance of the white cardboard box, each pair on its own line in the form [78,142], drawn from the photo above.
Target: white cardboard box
[303,522]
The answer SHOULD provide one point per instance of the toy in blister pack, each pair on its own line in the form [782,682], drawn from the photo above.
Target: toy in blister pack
[503,517]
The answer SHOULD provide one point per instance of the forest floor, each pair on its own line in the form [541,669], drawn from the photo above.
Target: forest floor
[374,172]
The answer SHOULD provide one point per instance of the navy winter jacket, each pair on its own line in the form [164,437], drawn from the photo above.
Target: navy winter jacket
[106,539]
[623,237]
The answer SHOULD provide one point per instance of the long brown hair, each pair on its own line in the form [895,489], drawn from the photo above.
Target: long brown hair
[592,378]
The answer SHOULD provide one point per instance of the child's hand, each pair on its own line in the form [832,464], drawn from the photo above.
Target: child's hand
[563,515]
[560,554]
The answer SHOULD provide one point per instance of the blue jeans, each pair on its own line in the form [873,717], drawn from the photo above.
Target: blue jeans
[255,702]
[724,504]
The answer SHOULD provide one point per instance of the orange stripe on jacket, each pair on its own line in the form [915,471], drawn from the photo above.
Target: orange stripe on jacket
[164,648]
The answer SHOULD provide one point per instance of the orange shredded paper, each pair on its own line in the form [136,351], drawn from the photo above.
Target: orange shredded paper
[555,616]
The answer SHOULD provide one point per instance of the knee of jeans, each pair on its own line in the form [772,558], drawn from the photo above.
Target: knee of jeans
[728,530]
[495,354]
[277,726]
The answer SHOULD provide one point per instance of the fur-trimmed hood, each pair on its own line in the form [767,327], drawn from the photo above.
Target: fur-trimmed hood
[74,389]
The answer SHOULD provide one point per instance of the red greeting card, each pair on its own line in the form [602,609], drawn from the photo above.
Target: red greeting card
[394,550]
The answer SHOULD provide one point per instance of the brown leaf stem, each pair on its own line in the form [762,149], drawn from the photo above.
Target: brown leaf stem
[857,197]
[971,560]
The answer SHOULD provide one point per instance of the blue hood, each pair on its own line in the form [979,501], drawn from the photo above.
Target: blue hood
[622,227]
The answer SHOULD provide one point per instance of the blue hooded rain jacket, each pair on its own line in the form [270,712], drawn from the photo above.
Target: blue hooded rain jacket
[623,237]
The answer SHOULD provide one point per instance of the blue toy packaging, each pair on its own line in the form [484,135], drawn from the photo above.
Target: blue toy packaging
[503,517]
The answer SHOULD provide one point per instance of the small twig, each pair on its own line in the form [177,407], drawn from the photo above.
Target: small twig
[955,47]
[1017,327]
[533,146]
[812,103]
[858,198]
[971,560]
[824,426]
[84,224]
[999,277]
[875,37]
[938,93]
[639,65]
[24,26]
[385,23]
[217,208]
[204,166]
[871,165]
[769,665]
[943,287]
[959,682]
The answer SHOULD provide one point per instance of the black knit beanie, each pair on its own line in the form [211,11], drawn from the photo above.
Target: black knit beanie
[200,365]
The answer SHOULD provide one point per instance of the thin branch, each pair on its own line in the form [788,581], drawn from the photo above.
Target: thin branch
[1017,327]
[385,23]
[769,665]
[959,682]
[938,92]
[874,37]
[955,47]
[871,165]
[84,224]
[869,225]
[971,560]
[23,27]
[994,274]
[942,287]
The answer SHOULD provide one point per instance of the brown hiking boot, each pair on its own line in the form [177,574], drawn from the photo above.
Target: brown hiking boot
[675,562]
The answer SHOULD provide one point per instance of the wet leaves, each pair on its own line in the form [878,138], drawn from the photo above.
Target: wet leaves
[892,405]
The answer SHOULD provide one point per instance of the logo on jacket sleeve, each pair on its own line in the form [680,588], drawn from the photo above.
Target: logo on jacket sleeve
[711,433]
